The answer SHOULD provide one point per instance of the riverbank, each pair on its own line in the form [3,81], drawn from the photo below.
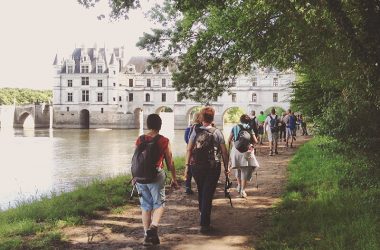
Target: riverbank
[37,224]
[332,201]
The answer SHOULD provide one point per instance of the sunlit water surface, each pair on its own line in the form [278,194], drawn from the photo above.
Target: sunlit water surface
[35,162]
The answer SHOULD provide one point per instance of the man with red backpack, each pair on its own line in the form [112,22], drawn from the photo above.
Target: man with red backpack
[147,171]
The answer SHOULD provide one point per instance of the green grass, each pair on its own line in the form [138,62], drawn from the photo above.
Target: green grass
[35,224]
[332,201]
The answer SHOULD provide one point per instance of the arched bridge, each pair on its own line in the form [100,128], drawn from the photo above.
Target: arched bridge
[39,112]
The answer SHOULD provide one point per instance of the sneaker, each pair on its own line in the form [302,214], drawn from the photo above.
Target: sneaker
[243,194]
[189,191]
[151,237]
[271,153]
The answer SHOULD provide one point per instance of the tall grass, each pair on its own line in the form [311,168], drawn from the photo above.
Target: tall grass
[332,201]
[36,224]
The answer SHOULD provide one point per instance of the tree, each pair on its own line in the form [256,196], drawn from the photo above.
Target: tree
[332,45]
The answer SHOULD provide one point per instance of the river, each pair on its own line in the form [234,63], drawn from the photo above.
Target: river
[35,162]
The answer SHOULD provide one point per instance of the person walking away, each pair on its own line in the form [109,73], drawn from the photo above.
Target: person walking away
[242,155]
[283,127]
[271,126]
[196,123]
[147,170]
[253,123]
[290,127]
[261,119]
[303,125]
[205,151]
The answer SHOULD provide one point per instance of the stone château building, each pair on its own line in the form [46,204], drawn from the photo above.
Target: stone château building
[95,88]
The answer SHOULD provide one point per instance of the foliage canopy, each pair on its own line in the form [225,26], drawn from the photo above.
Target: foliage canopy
[332,45]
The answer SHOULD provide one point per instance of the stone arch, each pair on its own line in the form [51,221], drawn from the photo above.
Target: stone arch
[24,115]
[138,117]
[242,111]
[84,119]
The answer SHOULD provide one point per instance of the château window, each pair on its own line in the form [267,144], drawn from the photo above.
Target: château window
[275,97]
[100,97]
[275,81]
[85,80]
[254,82]
[254,97]
[114,99]
[163,97]
[101,110]
[163,82]
[130,97]
[84,68]
[100,83]
[69,83]
[100,69]
[85,95]
[69,97]
[70,69]
[148,82]
[114,84]
[130,82]
[120,99]
[233,97]
[67,109]
[147,97]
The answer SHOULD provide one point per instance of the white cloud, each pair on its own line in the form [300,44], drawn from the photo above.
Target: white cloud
[32,32]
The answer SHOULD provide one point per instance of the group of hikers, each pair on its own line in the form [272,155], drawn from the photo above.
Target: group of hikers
[207,151]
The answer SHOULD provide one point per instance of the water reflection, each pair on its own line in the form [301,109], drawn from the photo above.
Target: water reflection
[38,161]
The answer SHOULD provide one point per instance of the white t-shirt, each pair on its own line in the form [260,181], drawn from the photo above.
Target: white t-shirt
[267,121]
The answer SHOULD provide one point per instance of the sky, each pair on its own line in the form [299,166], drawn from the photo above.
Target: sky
[33,32]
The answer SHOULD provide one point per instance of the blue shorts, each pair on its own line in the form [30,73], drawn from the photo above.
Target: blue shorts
[152,195]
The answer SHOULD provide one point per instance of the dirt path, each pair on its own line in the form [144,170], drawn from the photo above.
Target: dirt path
[236,228]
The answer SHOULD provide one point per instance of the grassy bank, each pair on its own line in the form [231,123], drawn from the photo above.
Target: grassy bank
[36,224]
[332,201]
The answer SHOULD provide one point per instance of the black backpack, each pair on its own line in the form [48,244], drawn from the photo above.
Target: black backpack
[204,150]
[273,124]
[144,169]
[243,140]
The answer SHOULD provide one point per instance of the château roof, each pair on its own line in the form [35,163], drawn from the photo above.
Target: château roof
[141,64]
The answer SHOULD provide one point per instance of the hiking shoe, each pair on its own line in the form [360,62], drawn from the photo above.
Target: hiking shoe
[189,191]
[151,237]
[243,194]
[147,241]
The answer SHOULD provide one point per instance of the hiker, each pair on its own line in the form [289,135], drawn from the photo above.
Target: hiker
[290,121]
[283,127]
[303,125]
[204,152]
[195,123]
[271,125]
[261,120]
[152,190]
[242,155]
[253,123]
